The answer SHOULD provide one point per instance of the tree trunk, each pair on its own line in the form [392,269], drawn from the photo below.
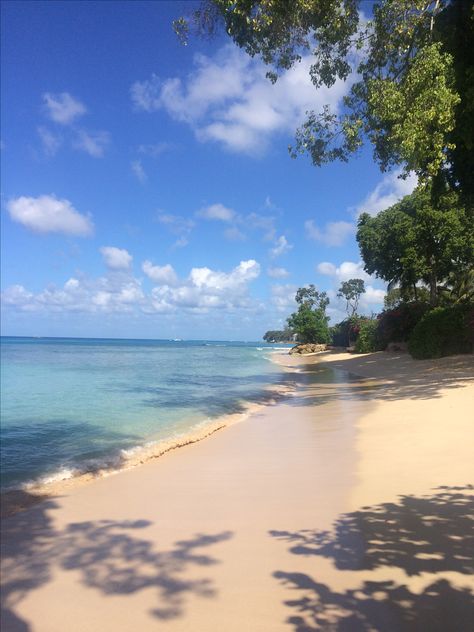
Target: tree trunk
[433,285]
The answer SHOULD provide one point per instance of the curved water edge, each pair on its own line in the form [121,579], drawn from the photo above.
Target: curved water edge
[234,392]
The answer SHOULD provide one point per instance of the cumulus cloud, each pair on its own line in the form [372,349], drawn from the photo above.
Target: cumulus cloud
[333,234]
[388,192]
[93,143]
[63,108]
[79,295]
[204,289]
[229,100]
[116,258]
[347,270]
[277,273]
[281,247]
[161,275]
[217,212]
[283,296]
[49,214]
[138,170]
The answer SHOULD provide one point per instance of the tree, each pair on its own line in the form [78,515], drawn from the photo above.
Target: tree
[351,291]
[410,65]
[310,322]
[414,241]
[285,335]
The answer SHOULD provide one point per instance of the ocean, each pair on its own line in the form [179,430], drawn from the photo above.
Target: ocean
[71,406]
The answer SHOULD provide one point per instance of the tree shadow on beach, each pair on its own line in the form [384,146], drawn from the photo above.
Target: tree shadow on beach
[110,556]
[419,535]
[395,379]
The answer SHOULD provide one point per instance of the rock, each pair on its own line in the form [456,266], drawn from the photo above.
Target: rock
[397,347]
[304,349]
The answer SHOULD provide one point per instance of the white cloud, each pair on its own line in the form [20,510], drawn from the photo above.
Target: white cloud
[113,294]
[48,214]
[278,273]
[63,108]
[116,258]
[333,234]
[388,192]
[217,212]
[281,247]
[228,99]
[51,142]
[93,143]
[138,170]
[203,290]
[347,270]
[283,296]
[162,275]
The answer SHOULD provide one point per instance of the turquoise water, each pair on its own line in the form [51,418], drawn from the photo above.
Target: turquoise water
[75,405]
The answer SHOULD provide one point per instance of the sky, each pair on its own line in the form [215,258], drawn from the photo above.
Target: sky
[147,188]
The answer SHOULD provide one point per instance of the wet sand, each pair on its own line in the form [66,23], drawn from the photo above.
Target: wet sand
[346,506]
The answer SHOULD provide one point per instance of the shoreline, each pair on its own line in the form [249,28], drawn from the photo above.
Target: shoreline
[15,499]
[349,503]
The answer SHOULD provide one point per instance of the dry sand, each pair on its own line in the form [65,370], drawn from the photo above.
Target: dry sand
[345,507]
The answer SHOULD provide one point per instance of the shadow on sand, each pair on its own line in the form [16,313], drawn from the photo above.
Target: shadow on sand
[110,555]
[398,377]
[419,535]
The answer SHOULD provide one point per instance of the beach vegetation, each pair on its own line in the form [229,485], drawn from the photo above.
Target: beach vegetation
[310,322]
[443,331]
[416,241]
[368,336]
[396,325]
[351,291]
[411,81]
[277,335]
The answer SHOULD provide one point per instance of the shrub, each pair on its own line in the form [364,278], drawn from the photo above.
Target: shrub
[368,339]
[443,331]
[346,332]
[396,325]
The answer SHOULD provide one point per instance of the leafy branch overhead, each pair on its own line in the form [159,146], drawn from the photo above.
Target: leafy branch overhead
[409,64]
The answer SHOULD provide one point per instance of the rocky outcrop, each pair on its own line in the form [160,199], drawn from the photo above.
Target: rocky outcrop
[304,349]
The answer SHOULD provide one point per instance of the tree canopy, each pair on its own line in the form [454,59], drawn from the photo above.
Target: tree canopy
[310,322]
[351,291]
[415,241]
[409,64]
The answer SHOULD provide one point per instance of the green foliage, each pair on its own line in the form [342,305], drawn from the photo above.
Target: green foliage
[368,338]
[414,241]
[285,335]
[443,331]
[351,290]
[413,84]
[396,325]
[310,322]
[396,296]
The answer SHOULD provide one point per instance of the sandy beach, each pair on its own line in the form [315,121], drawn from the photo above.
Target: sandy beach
[348,505]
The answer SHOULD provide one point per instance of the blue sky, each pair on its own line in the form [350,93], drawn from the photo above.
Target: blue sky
[147,189]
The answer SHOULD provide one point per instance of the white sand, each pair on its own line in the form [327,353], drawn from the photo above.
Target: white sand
[227,534]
